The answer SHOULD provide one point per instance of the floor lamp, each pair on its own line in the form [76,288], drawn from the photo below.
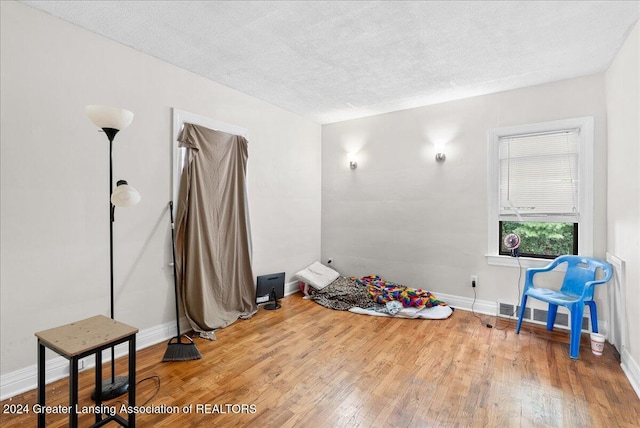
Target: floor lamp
[111,120]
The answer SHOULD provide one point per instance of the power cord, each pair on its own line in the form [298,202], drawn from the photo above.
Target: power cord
[157,379]
[515,307]
[154,377]
[472,305]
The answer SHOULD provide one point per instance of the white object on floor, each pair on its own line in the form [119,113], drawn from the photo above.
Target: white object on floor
[433,313]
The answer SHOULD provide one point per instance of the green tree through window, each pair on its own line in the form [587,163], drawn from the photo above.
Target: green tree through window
[543,240]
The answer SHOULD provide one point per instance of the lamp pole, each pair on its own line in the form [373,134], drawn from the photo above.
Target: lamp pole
[111,120]
[117,385]
[111,135]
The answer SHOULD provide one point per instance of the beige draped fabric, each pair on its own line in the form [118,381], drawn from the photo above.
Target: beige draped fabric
[213,241]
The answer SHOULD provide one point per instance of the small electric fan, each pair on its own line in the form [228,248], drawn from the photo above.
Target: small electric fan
[512,243]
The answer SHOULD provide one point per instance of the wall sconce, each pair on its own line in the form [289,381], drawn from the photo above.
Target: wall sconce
[439,149]
[352,160]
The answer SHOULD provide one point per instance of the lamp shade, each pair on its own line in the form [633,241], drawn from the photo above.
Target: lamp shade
[109,117]
[124,195]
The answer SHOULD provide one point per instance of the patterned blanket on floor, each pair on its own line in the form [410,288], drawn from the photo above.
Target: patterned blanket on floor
[342,295]
[371,292]
[383,292]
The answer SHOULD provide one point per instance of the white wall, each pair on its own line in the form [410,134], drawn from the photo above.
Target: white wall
[54,206]
[412,220]
[623,214]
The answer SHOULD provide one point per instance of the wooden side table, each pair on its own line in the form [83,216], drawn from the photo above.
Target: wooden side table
[78,340]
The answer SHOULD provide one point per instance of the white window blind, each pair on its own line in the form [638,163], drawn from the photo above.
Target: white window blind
[539,177]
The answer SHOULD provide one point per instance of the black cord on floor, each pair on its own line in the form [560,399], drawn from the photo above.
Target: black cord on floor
[154,377]
[474,313]
[515,307]
[157,378]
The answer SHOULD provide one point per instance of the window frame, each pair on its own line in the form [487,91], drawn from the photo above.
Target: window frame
[585,125]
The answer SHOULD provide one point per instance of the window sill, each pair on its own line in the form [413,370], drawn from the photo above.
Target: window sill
[525,262]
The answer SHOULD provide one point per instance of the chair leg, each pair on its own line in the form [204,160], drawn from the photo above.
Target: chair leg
[593,312]
[551,316]
[523,305]
[577,310]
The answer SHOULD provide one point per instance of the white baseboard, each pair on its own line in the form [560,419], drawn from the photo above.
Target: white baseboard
[26,379]
[631,368]
[467,304]
[291,288]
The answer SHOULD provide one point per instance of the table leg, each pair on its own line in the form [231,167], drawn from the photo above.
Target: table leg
[41,383]
[73,392]
[132,379]
[98,383]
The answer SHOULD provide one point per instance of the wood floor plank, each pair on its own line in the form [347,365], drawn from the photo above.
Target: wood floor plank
[304,365]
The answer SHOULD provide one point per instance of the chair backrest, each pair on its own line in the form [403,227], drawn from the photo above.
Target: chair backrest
[581,270]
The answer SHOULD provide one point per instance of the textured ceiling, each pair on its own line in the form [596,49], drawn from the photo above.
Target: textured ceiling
[332,61]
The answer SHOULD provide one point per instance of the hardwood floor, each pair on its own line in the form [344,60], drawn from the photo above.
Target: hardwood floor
[307,366]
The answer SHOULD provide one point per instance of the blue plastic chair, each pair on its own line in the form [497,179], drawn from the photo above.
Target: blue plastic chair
[576,291]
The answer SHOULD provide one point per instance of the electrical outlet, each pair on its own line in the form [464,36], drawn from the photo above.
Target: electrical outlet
[474,280]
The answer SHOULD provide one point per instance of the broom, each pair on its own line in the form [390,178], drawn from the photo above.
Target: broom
[177,350]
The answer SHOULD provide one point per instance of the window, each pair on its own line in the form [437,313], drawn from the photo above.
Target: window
[540,187]
[540,239]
